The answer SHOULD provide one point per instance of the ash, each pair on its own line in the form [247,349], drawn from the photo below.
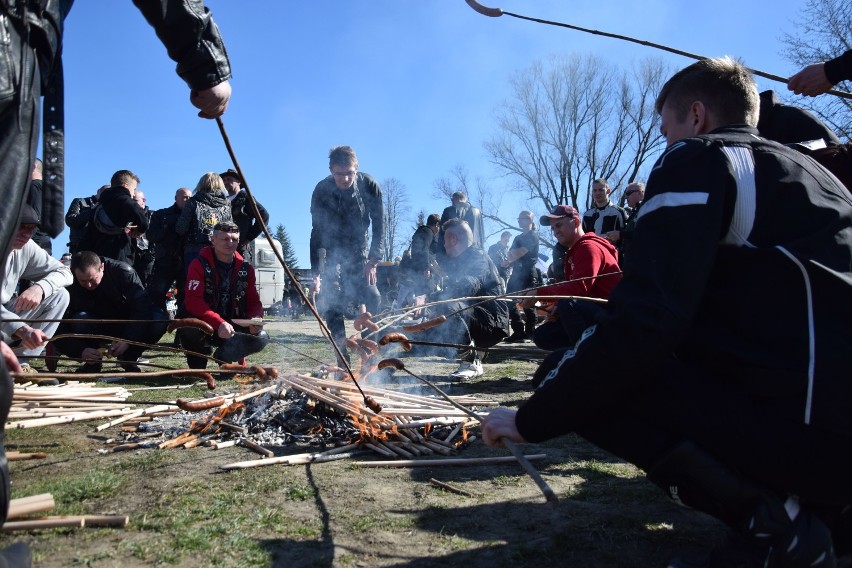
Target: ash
[297,419]
[272,419]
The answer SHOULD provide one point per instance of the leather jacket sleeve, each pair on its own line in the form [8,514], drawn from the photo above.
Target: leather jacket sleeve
[191,38]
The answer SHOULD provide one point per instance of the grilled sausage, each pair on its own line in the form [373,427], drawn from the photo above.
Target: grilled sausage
[372,404]
[396,337]
[190,322]
[198,405]
[392,362]
[424,325]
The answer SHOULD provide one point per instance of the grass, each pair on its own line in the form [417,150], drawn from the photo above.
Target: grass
[184,511]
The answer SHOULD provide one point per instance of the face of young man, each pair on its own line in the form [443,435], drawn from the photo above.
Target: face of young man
[672,128]
[91,277]
[344,177]
[565,230]
[600,194]
[524,223]
[225,244]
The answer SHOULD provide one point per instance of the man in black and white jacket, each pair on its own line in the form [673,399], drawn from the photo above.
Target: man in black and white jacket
[720,365]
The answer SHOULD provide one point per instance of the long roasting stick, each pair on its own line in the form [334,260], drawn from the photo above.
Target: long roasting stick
[549,495]
[497,12]
[369,402]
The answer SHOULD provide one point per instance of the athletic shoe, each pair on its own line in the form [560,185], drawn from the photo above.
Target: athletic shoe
[42,382]
[804,543]
[143,360]
[468,371]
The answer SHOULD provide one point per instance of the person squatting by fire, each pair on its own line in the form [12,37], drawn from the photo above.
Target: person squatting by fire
[470,274]
[221,291]
[731,393]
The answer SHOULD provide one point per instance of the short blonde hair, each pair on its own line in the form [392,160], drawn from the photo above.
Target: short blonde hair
[209,182]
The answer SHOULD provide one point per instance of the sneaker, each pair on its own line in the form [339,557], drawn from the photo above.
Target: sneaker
[468,371]
[806,542]
[143,360]
[42,382]
[25,369]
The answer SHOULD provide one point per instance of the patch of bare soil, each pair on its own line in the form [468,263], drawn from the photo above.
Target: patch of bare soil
[185,511]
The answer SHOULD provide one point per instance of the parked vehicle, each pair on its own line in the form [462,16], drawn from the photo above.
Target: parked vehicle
[270,275]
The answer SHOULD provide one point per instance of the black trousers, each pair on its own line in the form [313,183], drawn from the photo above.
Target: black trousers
[229,350]
[522,321]
[149,332]
[572,317]
[344,284]
[762,439]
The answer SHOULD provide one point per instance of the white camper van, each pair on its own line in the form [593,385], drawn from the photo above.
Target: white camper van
[270,276]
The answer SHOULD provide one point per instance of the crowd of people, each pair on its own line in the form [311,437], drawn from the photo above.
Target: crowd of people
[699,333]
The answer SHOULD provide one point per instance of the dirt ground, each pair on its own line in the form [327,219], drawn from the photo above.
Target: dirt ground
[185,511]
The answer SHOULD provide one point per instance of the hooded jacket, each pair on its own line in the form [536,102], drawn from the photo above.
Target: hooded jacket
[590,256]
[107,233]
[202,212]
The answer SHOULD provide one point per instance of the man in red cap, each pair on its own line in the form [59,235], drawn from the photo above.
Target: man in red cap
[591,270]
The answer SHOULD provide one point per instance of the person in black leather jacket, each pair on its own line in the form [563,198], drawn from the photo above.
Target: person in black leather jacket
[720,365]
[207,207]
[168,249]
[243,213]
[108,289]
[113,218]
[30,66]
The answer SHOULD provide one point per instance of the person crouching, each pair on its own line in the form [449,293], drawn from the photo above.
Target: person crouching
[220,287]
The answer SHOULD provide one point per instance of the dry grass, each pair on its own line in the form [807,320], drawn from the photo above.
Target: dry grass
[186,512]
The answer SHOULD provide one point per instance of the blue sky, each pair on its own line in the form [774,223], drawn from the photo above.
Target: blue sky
[412,86]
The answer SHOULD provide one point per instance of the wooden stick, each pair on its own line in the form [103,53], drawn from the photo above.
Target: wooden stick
[448,461]
[15,456]
[291,459]
[28,505]
[449,487]
[378,450]
[221,445]
[45,523]
[67,521]
[246,443]
[67,419]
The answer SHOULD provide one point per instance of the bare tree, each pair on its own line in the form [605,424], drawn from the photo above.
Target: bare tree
[575,120]
[823,31]
[395,197]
